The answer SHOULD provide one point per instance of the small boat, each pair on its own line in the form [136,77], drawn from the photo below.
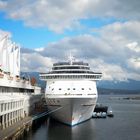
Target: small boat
[100,108]
[99,115]
[104,114]
[110,112]
[94,115]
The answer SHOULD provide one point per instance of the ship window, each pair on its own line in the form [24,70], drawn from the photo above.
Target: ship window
[59,88]
[68,88]
[82,88]
[52,88]
[73,88]
[89,88]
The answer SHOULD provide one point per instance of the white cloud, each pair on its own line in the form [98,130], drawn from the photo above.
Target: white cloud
[115,63]
[39,49]
[110,71]
[35,62]
[62,14]
[134,46]
[133,63]
[114,52]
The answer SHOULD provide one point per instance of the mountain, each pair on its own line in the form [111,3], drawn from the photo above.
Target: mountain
[117,91]
[40,83]
[129,85]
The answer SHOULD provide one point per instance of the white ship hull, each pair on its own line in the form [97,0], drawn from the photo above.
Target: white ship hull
[71,92]
[72,111]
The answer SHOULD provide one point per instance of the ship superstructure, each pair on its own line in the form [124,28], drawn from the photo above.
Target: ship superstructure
[72,86]
[17,95]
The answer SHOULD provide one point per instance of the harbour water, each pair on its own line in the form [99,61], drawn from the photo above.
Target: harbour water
[125,125]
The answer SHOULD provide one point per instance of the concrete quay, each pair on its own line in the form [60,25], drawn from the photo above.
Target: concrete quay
[15,129]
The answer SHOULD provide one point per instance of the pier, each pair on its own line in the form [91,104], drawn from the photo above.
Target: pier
[12,130]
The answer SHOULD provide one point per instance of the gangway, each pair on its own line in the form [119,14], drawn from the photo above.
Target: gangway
[45,113]
[37,116]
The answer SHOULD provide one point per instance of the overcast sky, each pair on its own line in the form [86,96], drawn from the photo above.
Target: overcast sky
[104,33]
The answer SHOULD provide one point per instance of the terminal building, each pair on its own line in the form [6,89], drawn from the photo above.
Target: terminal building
[18,96]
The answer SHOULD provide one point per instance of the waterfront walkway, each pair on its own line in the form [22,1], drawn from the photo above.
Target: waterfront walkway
[10,131]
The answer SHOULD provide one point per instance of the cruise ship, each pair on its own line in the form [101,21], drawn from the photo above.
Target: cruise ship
[71,87]
[18,96]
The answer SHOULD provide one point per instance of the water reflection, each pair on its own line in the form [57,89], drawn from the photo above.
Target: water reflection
[84,131]
[58,130]
[50,129]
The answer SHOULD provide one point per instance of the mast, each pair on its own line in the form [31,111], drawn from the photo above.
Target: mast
[71,58]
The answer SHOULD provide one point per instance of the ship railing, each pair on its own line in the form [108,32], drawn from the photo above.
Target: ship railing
[95,77]
[71,69]
[68,63]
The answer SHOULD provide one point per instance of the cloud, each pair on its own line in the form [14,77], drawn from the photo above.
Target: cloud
[86,46]
[133,63]
[114,52]
[39,49]
[124,40]
[61,15]
[35,62]
[115,57]
[116,61]
[110,72]
[123,31]
[27,50]
[134,46]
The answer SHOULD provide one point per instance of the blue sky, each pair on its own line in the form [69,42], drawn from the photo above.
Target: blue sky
[27,37]
[104,33]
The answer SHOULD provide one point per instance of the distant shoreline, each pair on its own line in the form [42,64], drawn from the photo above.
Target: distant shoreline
[125,98]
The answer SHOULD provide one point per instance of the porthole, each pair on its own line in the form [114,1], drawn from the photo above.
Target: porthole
[59,88]
[82,88]
[68,88]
